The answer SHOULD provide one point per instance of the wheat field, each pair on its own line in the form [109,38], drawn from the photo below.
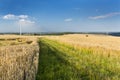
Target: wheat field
[80,57]
[104,41]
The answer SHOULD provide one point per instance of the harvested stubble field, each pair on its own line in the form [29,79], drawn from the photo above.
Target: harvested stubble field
[18,57]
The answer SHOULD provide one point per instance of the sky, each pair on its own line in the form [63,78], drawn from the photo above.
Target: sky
[60,15]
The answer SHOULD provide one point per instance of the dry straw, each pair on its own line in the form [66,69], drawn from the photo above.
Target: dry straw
[19,62]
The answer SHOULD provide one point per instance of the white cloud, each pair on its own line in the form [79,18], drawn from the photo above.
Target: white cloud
[23,16]
[25,22]
[104,16]
[14,17]
[68,20]
[9,16]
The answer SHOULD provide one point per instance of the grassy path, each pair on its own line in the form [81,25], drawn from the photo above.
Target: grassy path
[52,66]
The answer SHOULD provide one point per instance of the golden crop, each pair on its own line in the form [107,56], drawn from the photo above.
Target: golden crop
[18,58]
[98,44]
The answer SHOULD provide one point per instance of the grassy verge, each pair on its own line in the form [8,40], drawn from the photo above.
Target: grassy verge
[58,61]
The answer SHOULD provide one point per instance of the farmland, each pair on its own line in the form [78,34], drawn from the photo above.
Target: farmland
[79,57]
[63,57]
[18,58]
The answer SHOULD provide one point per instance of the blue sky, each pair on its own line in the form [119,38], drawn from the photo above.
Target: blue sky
[60,15]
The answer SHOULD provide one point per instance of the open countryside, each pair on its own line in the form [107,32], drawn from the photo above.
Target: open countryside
[63,57]
[59,39]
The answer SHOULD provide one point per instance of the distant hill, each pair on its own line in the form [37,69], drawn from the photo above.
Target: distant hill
[63,33]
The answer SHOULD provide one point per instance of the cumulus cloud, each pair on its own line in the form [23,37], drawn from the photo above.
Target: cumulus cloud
[23,16]
[68,20]
[104,16]
[9,16]
[14,17]
[23,20]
